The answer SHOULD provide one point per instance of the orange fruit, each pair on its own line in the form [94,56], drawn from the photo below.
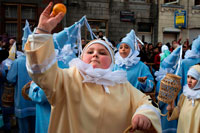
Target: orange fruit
[59,7]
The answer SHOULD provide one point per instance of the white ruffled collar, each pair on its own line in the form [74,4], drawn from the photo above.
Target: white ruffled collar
[191,94]
[162,73]
[129,61]
[105,77]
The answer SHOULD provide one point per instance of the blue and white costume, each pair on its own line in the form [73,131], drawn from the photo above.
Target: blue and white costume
[168,65]
[133,66]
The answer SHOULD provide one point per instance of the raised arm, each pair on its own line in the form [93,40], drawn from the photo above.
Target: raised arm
[47,21]
[41,58]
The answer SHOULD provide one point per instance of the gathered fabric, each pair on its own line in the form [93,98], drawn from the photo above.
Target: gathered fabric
[105,77]
[130,60]
[191,94]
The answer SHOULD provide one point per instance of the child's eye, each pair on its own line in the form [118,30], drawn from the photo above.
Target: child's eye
[102,53]
[89,52]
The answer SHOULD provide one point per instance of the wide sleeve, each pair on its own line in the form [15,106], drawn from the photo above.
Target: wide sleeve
[12,73]
[144,107]
[42,66]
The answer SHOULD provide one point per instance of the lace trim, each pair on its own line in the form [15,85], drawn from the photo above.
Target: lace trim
[191,94]
[105,77]
[128,62]
[41,68]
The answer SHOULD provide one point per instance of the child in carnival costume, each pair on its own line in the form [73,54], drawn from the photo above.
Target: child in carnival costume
[187,110]
[64,54]
[138,73]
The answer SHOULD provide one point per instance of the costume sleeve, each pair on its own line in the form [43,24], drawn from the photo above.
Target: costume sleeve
[12,73]
[42,66]
[175,113]
[147,86]
[144,107]
[37,94]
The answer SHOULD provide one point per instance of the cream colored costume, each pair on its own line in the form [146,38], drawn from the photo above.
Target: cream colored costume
[83,107]
[188,115]
[188,109]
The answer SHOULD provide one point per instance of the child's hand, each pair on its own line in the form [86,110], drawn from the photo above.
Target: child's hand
[140,122]
[170,107]
[142,79]
[47,21]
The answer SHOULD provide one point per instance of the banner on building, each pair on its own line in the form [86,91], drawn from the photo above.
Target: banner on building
[180,19]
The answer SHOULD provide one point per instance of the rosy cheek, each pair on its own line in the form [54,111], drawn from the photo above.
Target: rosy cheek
[106,63]
[86,60]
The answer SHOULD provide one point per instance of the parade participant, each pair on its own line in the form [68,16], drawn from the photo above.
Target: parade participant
[64,54]
[187,111]
[138,73]
[168,65]
[83,98]
[24,110]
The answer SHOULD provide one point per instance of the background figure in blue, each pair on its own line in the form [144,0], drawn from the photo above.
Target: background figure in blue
[138,73]
[192,57]
[169,64]
[24,110]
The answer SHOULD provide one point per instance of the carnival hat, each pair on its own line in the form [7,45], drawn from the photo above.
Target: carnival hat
[129,39]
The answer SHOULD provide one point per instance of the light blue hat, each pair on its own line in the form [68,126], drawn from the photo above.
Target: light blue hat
[172,59]
[68,36]
[27,32]
[130,40]
[71,35]
[196,45]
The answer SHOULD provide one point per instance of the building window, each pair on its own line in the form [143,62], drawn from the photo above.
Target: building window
[96,26]
[144,27]
[197,2]
[15,16]
[167,1]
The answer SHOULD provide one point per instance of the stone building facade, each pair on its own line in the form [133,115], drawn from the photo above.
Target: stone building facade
[119,16]
[152,20]
[166,25]
[114,17]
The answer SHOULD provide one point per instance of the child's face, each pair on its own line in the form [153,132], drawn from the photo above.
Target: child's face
[191,81]
[98,56]
[124,50]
